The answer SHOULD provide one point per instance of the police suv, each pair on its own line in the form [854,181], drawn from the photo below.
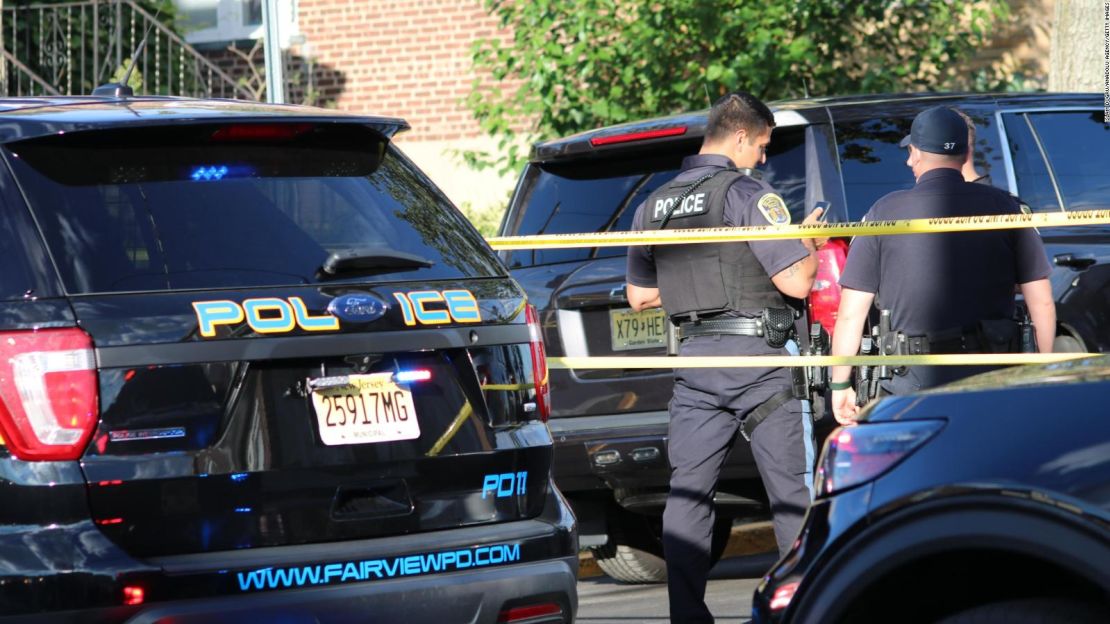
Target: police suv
[256,366]
[1053,150]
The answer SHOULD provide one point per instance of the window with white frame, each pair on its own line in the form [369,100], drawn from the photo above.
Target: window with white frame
[217,21]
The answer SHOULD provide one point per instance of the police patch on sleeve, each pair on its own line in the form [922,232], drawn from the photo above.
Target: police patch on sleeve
[774,209]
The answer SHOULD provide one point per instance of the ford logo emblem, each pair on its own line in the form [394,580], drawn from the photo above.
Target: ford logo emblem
[358,308]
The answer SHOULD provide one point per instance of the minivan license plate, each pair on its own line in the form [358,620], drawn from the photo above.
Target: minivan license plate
[637,330]
[370,408]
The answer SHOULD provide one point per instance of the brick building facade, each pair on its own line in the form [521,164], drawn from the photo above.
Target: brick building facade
[412,59]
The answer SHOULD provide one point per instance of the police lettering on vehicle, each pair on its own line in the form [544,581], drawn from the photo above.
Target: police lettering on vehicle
[694,204]
[266,315]
[273,315]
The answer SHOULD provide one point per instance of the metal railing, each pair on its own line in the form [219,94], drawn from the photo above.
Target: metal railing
[76,46]
[19,80]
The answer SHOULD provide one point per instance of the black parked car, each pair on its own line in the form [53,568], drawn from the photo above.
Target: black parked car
[987,500]
[255,366]
[610,425]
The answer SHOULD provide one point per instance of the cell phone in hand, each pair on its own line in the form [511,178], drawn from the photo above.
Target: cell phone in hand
[824,206]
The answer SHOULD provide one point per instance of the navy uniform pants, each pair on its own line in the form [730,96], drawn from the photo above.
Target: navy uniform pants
[706,411]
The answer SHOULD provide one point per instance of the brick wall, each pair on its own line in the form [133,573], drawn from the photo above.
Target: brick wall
[401,58]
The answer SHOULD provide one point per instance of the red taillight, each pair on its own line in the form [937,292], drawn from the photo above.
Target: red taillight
[638,136]
[783,595]
[523,614]
[260,132]
[48,393]
[539,362]
[133,595]
[824,299]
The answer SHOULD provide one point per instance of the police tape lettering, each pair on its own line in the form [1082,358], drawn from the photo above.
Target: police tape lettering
[781,232]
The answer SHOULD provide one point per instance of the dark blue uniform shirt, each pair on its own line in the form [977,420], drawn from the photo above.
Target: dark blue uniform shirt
[740,210]
[943,281]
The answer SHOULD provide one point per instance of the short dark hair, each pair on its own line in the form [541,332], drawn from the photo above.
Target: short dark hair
[970,128]
[738,110]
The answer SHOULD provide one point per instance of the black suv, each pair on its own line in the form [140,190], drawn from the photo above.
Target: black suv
[1053,150]
[256,366]
[954,506]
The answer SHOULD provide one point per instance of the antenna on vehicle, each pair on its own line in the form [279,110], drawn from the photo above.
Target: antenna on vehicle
[708,100]
[805,87]
[121,89]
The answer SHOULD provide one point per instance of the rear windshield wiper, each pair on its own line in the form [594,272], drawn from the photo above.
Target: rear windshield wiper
[373,259]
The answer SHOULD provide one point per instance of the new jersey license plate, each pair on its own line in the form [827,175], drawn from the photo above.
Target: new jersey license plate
[368,409]
[637,330]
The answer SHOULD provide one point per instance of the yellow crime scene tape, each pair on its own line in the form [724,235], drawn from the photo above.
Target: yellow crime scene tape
[781,361]
[816,230]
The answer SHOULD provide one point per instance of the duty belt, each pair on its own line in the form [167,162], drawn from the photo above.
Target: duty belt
[731,326]
[922,345]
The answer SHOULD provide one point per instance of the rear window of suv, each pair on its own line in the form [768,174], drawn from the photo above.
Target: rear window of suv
[210,206]
[601,194]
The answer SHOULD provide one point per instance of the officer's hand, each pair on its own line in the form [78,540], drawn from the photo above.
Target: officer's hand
[814,217]
[844,406]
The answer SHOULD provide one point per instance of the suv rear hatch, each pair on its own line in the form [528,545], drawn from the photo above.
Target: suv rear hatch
[297,338]
[595,185]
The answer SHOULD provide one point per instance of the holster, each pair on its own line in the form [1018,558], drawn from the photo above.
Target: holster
[778,326]
[999,336]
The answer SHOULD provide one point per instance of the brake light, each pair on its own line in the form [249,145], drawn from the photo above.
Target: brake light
[637,136]
[260,132]
[856,455]
[133,595]
[539,362]
[783,595]
[824,299]
[48,393]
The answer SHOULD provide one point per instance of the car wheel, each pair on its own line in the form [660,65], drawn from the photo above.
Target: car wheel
[1034,611]
[1067,344]
[634,553]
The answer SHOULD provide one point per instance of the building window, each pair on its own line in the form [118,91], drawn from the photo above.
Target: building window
[223,21]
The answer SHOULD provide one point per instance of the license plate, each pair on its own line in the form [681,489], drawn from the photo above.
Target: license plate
[637,330]
[368,409]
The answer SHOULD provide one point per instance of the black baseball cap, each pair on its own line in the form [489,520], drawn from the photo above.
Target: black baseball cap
[939,130]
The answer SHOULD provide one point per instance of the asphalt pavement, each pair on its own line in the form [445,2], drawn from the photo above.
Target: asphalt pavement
[750,553]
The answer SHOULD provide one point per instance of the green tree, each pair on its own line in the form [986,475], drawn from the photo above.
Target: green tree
[587,63]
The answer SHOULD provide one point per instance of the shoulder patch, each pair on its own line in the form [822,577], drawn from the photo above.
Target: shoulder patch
[774,209]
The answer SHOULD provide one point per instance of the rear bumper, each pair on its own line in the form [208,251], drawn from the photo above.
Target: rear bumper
[466,574]
[476,596]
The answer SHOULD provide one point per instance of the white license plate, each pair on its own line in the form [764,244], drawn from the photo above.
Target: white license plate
[637,330]
[369,409]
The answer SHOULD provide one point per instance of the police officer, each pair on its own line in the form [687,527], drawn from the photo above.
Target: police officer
[728,299]
[948,292]
[967,170]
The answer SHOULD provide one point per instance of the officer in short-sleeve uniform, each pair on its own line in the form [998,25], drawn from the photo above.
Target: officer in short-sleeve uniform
[726,287]
[947,292]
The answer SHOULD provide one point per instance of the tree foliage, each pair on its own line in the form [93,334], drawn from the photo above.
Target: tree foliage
[572,65]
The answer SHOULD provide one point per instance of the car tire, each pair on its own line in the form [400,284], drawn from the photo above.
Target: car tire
[1067,344]
[1033,611]
[634,553]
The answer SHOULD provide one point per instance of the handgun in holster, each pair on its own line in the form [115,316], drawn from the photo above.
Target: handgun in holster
[814,379]
[883,341]
[1028,333]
